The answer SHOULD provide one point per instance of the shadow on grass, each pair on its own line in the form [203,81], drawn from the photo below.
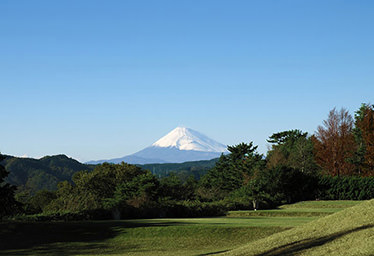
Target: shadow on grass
[150,223]
[298,246]
[212,253]
[65,238]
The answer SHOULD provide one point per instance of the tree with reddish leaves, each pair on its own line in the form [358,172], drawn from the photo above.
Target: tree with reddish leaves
[334,143]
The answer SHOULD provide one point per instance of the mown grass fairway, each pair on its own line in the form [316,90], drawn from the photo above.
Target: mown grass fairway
[301,209]
[348,232]
[133,237]
[152,236]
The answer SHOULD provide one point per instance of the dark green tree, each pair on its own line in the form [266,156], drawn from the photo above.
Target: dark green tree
[8,205]
[109,186]
[252,195]
[37,203]
[363,157]
[358,157]
[172,187]
[135,193]
[285,184]
[292,148]
[42,199]
[287,137]
[231,171]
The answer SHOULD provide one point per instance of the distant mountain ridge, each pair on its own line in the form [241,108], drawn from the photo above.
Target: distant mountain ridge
[180,145]
[183,170]
[45,173]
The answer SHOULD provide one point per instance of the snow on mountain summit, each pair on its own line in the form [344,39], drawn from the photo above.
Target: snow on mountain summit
[184,138]
[178,146]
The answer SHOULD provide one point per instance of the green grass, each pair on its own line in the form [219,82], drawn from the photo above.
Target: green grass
[301,209]
[347,232]
[200,236]
[134,237]
[337,204]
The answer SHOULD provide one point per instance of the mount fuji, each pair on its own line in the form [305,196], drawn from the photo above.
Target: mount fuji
[180,145]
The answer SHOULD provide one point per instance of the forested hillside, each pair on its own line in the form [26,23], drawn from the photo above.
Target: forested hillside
[182,170]
[45,173]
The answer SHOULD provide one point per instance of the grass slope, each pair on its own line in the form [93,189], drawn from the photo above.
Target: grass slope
[301,209]
[189,236]
[132,237]
[347,232]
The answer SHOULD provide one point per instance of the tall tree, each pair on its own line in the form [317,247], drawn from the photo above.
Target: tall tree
[364,135]
[232,171]
[358,157]
[293,149]
[8,204]
[334,143]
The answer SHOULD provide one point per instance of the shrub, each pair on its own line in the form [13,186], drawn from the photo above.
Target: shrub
[346,188]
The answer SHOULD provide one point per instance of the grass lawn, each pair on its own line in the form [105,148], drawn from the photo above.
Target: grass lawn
[347,232]
[200,236]
[301,209]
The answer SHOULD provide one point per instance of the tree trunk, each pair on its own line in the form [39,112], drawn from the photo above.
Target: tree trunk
[116,214]
[254,203]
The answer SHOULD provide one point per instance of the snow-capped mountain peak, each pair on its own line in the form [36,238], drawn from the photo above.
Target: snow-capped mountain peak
[184,138]
[180,145]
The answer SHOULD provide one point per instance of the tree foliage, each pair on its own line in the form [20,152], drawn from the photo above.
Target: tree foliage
[364,135]
[289,185]
[90,189]
[8,204]
[292,148]
[172,187]
[232,170]
[358,157]
[346,188]
[334,143]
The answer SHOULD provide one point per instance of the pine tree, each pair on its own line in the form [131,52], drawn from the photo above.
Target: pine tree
[234,170]
[293,149]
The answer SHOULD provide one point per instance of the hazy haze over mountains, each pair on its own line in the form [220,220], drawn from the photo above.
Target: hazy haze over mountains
[180,145]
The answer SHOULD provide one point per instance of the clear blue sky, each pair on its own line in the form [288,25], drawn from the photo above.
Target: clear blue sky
[103,79]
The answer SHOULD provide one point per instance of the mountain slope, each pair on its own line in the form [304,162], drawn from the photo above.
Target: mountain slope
[175,155]
[183,138]
[44,173]
[47,172]
[130,159]
[178,146]
[182,170]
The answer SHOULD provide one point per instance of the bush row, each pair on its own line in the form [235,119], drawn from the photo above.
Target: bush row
[346,188]
[97,214]
[165,209]
[174,209]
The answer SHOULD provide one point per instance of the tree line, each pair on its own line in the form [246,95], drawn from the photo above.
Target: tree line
[337,162]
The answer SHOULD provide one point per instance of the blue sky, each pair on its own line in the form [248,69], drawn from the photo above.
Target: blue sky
[103,79]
